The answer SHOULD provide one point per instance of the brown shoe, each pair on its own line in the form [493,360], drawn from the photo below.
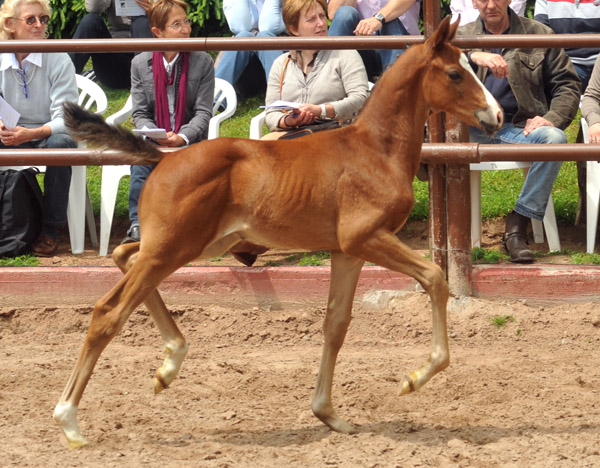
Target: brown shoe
[515,238]
[45,246]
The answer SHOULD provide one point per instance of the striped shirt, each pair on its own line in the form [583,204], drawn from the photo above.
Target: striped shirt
[572,17]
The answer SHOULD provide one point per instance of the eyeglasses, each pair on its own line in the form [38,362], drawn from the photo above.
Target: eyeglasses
[24,77]
[180,24]
[30,20]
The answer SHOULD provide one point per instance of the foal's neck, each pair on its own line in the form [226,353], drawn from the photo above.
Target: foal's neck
[396,111]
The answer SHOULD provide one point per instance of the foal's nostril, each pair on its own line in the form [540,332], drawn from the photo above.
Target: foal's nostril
[500,117]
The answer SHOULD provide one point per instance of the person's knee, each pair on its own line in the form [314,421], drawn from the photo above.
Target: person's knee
[245,34]
[60,140]
[549,135]
[89,26]
[265,34]
[347,14]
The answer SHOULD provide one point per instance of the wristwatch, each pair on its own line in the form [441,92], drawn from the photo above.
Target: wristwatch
[323,111]
[378,16]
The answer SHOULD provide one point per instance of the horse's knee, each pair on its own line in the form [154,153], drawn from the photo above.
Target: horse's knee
[435,282]
[106,321]
[123,255]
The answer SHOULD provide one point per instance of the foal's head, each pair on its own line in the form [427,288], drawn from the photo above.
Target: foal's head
[450,85]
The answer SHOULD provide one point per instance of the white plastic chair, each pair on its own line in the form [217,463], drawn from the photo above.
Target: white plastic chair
[111,175]
[592,182]
[549,223]
[258,121]
[79,209]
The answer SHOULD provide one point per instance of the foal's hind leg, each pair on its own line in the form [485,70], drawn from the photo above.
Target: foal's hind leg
[344,277]
[175,346]
[110,314]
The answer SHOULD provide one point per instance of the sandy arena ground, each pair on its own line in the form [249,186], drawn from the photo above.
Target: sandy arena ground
[523,395]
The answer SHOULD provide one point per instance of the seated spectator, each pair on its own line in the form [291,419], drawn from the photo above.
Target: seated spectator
[468,11]
[170,90]
[249,18]
[590,105]
[111,69]
[568,17]
[539,91]
[330,84]
[36,85]
[382,17]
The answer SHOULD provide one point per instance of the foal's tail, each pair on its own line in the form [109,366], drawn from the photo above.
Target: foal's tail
[85,125]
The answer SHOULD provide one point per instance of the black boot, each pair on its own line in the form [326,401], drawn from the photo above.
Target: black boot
[515,238]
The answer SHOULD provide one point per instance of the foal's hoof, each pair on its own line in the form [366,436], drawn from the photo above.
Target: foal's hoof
[408,386]
[159,384]
[77,443]
[343,427]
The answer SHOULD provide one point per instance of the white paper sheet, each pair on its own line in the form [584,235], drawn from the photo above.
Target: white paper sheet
[8,114]
[154,133]
[282,105]
[128,8]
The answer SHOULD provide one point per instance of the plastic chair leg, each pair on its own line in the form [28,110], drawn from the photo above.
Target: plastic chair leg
[551,227]
[108,199]
[76,209]
[475,182]
[538,231]
[592,204]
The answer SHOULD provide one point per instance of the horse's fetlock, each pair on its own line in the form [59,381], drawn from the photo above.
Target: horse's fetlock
[178,348]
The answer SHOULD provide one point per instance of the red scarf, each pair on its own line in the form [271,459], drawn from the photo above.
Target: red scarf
[163,118]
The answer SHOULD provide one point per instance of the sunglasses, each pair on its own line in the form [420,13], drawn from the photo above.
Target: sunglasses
[30,20]
[179,25]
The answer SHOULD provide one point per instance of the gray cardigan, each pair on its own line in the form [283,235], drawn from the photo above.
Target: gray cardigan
[50,85]
[590,105]
[338,77]
[199,98]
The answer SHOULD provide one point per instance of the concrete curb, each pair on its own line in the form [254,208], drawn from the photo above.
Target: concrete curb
[84,284]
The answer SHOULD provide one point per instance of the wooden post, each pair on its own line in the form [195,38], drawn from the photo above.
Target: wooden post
[437,172]
[459,215]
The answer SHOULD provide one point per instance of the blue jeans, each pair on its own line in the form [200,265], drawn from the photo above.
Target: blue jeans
[345,21]
[139,174]
[112,69]
[584,73]
[537,187]
[57,180]
[233,63]
[241,16]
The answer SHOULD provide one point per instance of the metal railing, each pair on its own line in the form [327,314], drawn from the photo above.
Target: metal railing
[449,226]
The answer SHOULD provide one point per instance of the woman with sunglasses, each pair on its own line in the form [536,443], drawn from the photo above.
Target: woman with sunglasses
[36,85]
[170,90]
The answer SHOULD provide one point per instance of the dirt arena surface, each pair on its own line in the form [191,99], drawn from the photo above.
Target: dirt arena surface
[523,395]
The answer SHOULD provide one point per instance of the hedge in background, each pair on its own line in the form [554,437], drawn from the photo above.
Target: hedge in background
[206,15]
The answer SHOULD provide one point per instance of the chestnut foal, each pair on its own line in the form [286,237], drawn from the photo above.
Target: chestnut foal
[348,191]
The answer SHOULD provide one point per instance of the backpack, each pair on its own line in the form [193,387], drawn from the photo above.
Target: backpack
[21,208]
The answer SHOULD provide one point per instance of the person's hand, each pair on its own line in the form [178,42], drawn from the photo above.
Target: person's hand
[368,27]
[172,140]
[495,62]
[594,134]
[302,116]
[145,4]
[534,123]
[14,136]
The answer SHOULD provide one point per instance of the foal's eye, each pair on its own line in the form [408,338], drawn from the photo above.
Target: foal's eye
[454,76]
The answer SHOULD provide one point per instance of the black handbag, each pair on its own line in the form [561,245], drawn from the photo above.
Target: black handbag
[21,208]
[310,129]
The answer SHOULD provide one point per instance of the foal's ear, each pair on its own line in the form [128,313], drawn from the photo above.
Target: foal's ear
[444,33]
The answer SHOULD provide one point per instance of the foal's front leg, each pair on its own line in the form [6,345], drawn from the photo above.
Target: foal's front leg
[385,249]
[345,271]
